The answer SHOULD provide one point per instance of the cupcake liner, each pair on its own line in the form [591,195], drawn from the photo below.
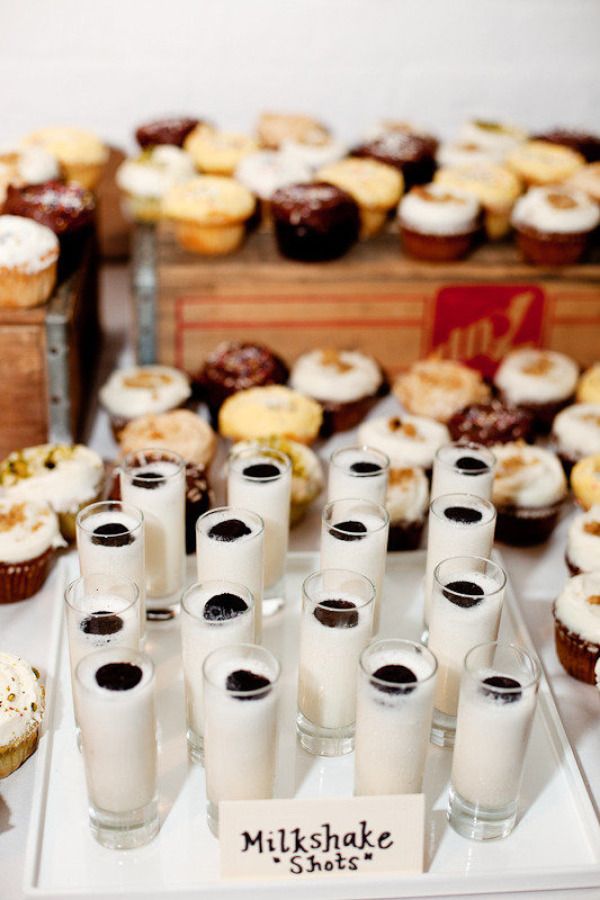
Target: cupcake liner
[437,247]
[21,580]
[404,536]
[577,656]
[526,526]
[14,755]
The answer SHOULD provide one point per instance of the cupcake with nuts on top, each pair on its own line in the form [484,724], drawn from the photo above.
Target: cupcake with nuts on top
[437,223]
[377,188]
[407,503]
[583,542]
[22,699]
[408,441]
[439,387]
[142,390]
[29,536]
[542,382]
[554,225]
[209,214]
[577,626]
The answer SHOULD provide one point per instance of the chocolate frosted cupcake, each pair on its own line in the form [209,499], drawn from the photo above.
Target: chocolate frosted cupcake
[491,423]
[410,151]
[554,225]
[529,490]
[408,441]
[29,535]
[583,542]
[577,626]
[172,130]
[438,223]
[234,366]
[314,222]
[406,501]
[576,433]
[142,390]
[542,382]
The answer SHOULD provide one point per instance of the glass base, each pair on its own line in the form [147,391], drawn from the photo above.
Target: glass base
[124,831]
[425,634]
[163,609]
[477,822]
[212,815]
[273,598]
[320,741]
[443,729]
[195,746]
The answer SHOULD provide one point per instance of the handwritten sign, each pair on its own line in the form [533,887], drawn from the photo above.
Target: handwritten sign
[315,838]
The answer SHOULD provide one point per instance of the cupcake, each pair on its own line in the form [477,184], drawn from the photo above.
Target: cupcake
[315,156]
[171,131]
[377,188]
[438,223]
[314,222]
[67,477]
[23,166]
[179,430]
[496,138]
[81,155]
[439,387]
[554,225]
[142,390]
[494,186]
[408,441]
[528,493]
[21,712]
[235,366]
[29,535]
[540,163]
[587,179]
[209,213]
[410,151]
[271,411]
[583,542]
[275,128]
[577,626]
[218,152]
[145,179]
[588,145]
[588,387]
[585,481]
[542,382]
[576,433]
[459,154]
[28,261]
[491,423]
[407,502]
[265,172]
[346,383]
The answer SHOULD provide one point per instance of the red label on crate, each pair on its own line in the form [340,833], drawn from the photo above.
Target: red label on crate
[479,324]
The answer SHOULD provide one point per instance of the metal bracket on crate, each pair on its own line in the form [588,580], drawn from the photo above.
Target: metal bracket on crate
[59,388]
[143,284]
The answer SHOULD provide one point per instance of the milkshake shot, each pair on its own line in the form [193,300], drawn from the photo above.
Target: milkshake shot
[360,472]
[495,713]
[466,605]
[213,614]
[463,468]
[230,541]
[260,479]
[354,535]
[459,525]
[115,697]
[154,482]
[110,539]
[396,685]
[335,627]
[241,687]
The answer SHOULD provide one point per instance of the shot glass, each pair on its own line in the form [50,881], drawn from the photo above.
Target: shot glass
[497,703]
[463,468]
[241,688]
[213,614]
[154,481]
[335,627]
[466,605]
[110,539]
[396,685]
[260,479]
[231,540]
[115,696]
[358,472]
[354,535]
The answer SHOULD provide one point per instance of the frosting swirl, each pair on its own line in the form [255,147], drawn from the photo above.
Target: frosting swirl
[408,440]
[27,529]
[536,376]
[556,210]
[21,699]
[577,429]
[583,542]
[338,376]
[527,476]
[144,389]
[578,606]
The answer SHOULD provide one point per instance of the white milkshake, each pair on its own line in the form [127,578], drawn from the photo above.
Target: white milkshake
[241,686]
[393,717]
[336,626]
[463,468]
[230,541]
[459,525]
[466,604]
[110,539]
[360,472]
[213,614]
[260,479]
[495,713]
[154,481]
[354,535]
[115,697]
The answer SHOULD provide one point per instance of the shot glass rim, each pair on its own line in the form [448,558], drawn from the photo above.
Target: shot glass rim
[405,642]
[127,467]
[246,512]
[487,505]
[241,588]
[354,575]
[381,512]
[257,692]
[123,579]
[484,559]
[128,509]
[258,448]
[103,652]
[536,668]
[385,468]
[467,445]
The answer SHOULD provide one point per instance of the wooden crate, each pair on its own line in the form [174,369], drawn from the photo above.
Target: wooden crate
[374,298]
[47,357]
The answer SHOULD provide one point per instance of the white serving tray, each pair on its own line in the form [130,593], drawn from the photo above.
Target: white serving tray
[556,844]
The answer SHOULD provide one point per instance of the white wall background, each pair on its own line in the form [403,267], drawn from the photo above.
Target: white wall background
[109,64]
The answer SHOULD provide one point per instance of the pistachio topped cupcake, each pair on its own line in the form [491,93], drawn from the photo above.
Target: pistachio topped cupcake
[209,213]
[495,187]
[21,711]
[218,152]
[80,153]
[438,223]
[377,188]
[554,225]
[539,163]
[540,381]
[439,387]
[143,390]
[29,535]
[146,178]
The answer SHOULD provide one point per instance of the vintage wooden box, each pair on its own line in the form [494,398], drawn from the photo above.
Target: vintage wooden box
[374,298]
[47,357]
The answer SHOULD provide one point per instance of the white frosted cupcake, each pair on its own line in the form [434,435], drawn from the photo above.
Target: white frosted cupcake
[21,712]
[438,223]
[313,155]
[142,390]
[28,258]
[408,440]
[541,382]
[554,225]
[583,542]
[577,626]
[496,138]
[406,501]
[29,535]
[576,433]
[145,179]
[463,153]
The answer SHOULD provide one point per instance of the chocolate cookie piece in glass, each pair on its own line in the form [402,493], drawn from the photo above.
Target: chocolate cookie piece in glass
[173,131]
[413,153]
[581,141]
[491,423]
[314,222]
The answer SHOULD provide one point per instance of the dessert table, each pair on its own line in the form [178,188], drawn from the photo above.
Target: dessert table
[536,574]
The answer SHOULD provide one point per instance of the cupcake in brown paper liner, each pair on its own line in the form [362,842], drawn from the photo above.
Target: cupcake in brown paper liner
[29,535]
[577,626]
